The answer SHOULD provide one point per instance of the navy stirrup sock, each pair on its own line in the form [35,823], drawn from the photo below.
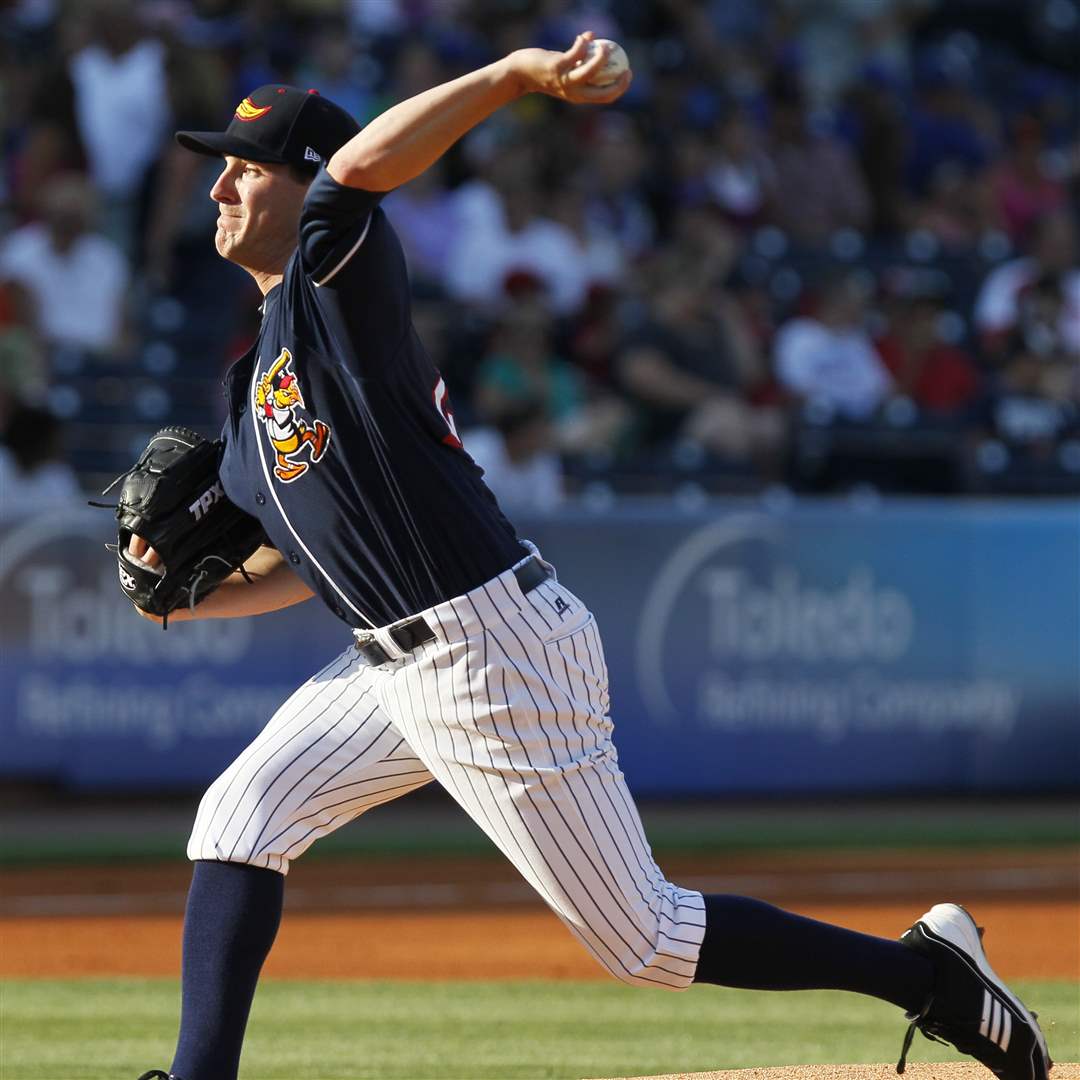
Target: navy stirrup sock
[755,946]
[232,917]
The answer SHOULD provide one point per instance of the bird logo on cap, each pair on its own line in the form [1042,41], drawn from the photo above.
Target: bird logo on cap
[248,110]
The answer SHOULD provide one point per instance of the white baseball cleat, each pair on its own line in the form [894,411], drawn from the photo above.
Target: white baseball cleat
[970,1006]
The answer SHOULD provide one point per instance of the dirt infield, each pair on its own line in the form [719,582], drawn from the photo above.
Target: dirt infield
[958,1071]
[1024,942]
[378,918]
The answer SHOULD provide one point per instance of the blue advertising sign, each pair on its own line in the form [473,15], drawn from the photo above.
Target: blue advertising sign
[820,648]
[97,696]
[812,648]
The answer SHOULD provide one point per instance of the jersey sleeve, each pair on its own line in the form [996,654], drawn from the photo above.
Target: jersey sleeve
[334,228]
[351,254]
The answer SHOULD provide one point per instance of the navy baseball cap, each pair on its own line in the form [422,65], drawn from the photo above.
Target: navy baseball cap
[278,124]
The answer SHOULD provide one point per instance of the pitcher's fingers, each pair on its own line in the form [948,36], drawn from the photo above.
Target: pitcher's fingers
[581,42]
[139,549]
[579,67]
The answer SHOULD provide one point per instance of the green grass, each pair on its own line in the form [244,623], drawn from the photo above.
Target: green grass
[676,829]
[116,1029]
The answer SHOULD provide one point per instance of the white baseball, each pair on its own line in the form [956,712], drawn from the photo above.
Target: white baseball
[617,61]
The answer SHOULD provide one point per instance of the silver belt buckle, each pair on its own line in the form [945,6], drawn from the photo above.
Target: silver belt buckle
[371,649]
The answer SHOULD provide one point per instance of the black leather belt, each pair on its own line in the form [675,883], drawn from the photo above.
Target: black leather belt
[413,633]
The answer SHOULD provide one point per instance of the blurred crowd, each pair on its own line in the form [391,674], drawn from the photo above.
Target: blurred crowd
[820,243]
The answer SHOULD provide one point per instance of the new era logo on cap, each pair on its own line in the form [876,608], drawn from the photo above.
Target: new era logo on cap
[280,124]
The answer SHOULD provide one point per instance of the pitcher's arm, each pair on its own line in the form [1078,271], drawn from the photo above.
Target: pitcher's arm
[402,142]
[273,585]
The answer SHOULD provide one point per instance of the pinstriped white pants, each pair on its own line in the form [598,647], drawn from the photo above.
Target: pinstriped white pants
[508,709]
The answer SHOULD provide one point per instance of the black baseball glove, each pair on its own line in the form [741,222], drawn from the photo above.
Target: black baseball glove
[173,499]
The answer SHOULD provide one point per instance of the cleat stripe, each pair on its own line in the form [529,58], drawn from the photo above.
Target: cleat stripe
[984,1027]
[1006,1030]
[995,1023]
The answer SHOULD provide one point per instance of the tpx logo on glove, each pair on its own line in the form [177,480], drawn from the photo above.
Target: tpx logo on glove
[206,500]
[127,580]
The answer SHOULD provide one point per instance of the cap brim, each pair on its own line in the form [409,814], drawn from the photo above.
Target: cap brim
[220,143]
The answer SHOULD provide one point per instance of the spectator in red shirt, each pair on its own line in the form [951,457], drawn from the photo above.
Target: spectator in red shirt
[1025,185]
[940,377]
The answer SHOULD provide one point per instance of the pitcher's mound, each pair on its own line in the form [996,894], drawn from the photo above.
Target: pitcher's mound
[915,1071]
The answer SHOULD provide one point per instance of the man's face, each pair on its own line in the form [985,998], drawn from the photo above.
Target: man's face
[258,214]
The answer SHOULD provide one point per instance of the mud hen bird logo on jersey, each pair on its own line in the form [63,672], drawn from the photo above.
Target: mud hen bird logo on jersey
[279,403]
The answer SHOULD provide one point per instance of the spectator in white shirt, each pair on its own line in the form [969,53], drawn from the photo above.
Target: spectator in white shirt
[999,304]
[121,106]
[77,280]
[503,232]
[739,175]
[829,361]
[517,453]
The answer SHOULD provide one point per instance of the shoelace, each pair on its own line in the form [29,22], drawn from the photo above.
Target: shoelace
[920,1023]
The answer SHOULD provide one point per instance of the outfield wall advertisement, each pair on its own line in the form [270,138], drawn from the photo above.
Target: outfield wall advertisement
[813,647]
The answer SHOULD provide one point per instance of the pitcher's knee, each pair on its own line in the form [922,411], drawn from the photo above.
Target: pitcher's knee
[657,973]
[213,846]
[237,831]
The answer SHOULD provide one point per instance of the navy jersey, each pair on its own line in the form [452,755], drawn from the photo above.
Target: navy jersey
[340,438]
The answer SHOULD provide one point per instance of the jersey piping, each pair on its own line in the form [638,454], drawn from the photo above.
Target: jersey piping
[277,502]
[351,252]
